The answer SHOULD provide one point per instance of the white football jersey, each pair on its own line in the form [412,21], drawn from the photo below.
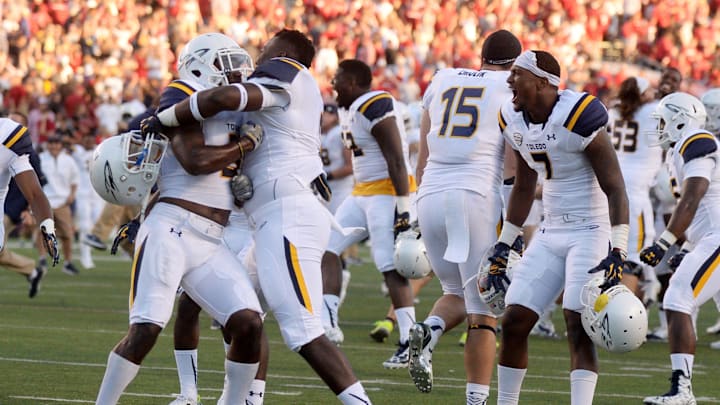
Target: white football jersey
[292,133]
[639,161]
[465,144]
[555,150]
[695,147]
[356,123]
[14,156]
[332,156]
[213,189]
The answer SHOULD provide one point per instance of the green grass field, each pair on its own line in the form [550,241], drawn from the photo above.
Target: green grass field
[53,350]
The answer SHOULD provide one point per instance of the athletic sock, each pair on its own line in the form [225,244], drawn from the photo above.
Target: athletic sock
[186,361]
[239,379]
[354,395]
[331,304]
[256,396]
[437,328]
[118,374]
[405,319]
[682,361]
[582,386]
[509,383]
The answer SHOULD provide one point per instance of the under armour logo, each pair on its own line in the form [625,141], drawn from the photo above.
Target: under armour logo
[550,136]
[178,232]
[253,393]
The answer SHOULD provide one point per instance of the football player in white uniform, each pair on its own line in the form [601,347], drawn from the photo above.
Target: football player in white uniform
[560,135]
[336,158]
[180,241]
[290,225]
[197,64]
[460,168]
[695,161]
[373,129]
[15,163]
[629,122]
[711,101]
[670,81]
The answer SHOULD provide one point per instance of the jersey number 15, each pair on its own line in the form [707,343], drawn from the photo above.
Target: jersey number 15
[460,101]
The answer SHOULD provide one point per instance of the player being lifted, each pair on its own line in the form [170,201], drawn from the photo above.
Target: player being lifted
[560,135]
[290,226]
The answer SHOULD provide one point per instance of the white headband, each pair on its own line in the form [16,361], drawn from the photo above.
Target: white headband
[528,60]
[642,84]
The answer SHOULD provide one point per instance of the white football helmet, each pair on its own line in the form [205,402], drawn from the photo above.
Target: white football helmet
[676,114]
[210,58]
[125,167]
[616,319]
[711,101]
[493,298]
[410,256]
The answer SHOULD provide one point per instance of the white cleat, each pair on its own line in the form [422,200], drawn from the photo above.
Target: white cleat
[715,345]
[544,328]
[680,392]
[400,359]
[420,362]
[335,335]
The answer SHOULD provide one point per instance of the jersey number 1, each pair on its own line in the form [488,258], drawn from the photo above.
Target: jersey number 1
[458,101]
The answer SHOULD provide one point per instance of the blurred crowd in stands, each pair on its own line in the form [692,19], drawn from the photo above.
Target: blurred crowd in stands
[82,67]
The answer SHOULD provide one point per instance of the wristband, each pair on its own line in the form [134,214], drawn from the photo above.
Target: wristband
[243,96]
[402,203]
[509,233]
[619,236]
[48,225]
[195,108]
[686,247]
[666,239]
[168,118]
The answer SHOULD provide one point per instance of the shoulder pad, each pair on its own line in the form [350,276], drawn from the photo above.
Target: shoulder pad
[376,106]
[174,93]
[587,116]
[698,145]
[19,141]
[282,69]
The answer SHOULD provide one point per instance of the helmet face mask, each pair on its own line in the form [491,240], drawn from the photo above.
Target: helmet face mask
[125,167]
[213,59]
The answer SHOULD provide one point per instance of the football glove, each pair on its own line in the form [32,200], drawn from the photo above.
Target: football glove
[497,278]
[612,266]
[253,132]
[151,125]
[674,262]
[241,187]
[653,255]
[127,231]
[47,229]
